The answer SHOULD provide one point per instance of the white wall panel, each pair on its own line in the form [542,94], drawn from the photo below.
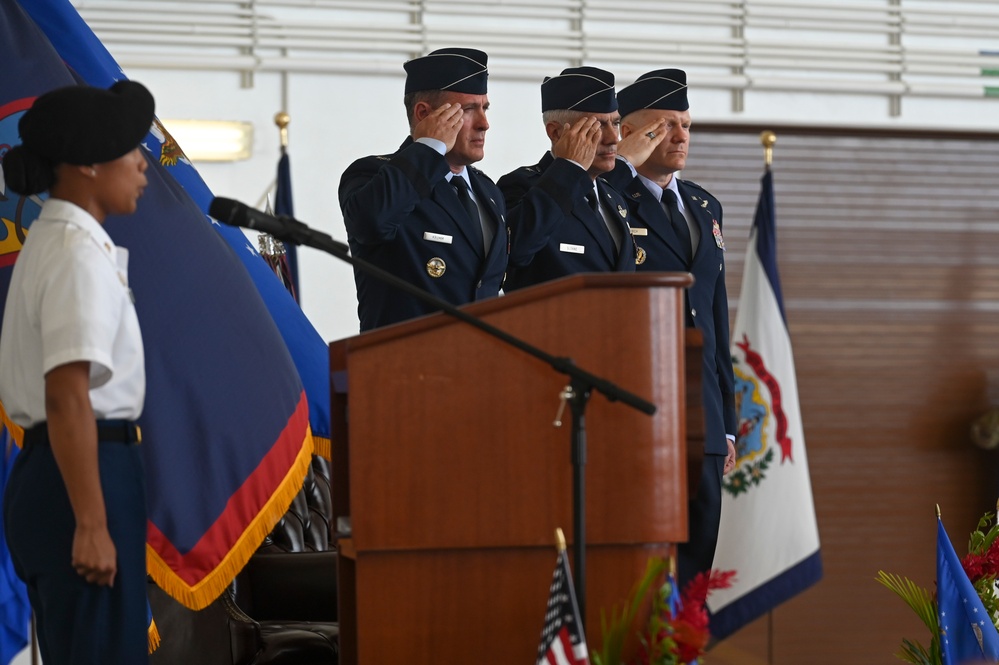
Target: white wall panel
[336,66]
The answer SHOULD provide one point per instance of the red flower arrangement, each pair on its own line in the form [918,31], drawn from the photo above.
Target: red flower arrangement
[677,630]
[982,565]
[683,623]
[982,562]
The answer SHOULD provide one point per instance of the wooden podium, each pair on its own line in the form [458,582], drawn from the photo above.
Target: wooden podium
[454,477]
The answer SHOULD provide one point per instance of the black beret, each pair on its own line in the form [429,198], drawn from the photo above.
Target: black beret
[585,89]
[81,124]
[664,89]
[452,69]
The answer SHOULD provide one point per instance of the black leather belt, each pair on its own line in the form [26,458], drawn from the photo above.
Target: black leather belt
[108,431]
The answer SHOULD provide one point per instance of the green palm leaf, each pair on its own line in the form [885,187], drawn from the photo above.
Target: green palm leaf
[616,630]
[922,603]
[916,653]
[915,596]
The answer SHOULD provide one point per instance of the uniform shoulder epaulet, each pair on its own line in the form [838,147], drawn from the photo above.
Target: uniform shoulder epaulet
[611,188]
[691,183]
[481,174]
[522,172]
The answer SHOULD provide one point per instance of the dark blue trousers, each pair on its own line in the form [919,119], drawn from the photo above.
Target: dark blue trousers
[704,515]
[80,623]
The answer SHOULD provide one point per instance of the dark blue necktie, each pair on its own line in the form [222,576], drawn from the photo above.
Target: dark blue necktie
[614,231]
[480,228]
[679,223]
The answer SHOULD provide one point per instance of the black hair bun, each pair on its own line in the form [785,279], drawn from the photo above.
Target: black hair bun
[26,172]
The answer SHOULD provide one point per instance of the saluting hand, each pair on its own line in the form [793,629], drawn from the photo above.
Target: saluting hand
[579,141]
[442,124]
[94,555]
[638,145]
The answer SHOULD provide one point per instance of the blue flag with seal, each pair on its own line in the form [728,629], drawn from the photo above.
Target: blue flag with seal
[226,431]
[967,633]
[768,533]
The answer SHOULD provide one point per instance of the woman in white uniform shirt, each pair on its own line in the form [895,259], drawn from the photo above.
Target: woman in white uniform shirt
[72,375]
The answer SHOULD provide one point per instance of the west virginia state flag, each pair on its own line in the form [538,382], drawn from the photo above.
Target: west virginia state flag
[226,435]
[768,532]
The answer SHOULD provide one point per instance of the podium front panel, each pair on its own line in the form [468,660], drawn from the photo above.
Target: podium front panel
[458,478]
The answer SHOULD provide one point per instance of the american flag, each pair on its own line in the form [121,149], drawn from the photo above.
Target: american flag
[562,640]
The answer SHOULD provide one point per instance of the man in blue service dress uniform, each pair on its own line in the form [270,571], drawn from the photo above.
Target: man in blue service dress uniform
[677,227]
[587,231]
[423,213]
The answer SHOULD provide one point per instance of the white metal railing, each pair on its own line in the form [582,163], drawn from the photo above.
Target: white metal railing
[897,48]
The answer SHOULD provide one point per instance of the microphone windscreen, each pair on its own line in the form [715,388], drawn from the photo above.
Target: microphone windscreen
[225,210]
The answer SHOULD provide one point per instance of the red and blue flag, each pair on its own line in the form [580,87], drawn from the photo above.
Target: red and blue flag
[227,425]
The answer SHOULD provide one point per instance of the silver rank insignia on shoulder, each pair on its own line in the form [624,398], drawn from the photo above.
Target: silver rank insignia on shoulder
[621,211]
[436,267]
[716,232]
[640,255]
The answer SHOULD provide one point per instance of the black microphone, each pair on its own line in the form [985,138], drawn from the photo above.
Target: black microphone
[287,229]
[234,213]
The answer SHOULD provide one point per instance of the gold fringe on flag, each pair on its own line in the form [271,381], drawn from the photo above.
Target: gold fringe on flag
[154,636]
[202,594]
[16,431]
[323,447]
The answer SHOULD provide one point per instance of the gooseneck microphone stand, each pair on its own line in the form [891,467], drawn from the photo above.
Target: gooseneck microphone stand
[576,394]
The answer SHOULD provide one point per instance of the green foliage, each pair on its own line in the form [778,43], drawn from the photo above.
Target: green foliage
[916,653]
[658,640]
[981,539]
[986,588]
[921,602]
[616,631]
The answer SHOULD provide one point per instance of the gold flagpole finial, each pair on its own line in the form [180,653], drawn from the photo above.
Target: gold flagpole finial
[768,138]
[281,119]
[559,540]
[938,511]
